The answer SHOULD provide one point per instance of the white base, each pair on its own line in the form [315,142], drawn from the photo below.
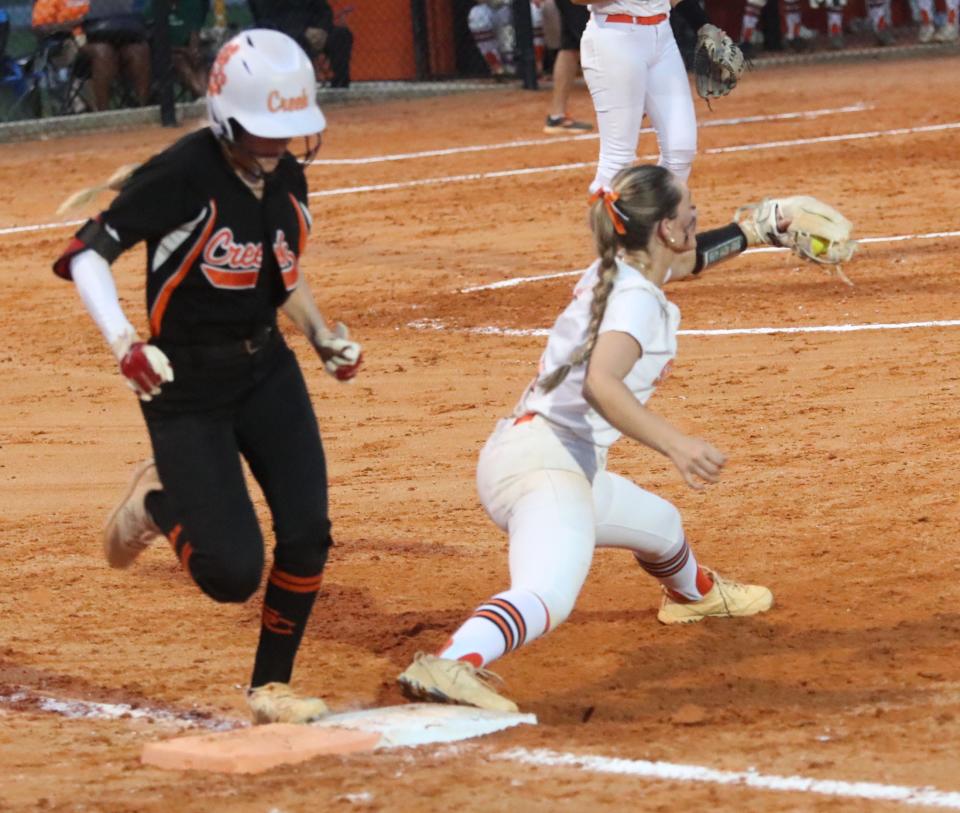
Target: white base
[425,723]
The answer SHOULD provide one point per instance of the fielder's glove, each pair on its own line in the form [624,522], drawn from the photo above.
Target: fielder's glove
[717,62]
[814,230]
[145,367]
[341,357]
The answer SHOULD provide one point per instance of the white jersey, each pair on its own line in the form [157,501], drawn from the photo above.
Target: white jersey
[635,8]
[635,306]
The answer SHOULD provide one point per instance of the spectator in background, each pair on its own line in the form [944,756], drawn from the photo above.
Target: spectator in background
[491,25]
[116,42]
[311,24]
[185,21]
[56,23]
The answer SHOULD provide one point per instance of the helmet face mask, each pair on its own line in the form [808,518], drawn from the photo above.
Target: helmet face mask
[263,81]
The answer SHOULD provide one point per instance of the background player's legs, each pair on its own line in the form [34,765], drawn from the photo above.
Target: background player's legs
[835,22]
[925,12]
[539,43]
[879,14]
[950,30]
[669,105]
[751,17]
[573,20]
[614,60]
[279,438]
[792,20]
[551,547]
[629,517]
[481,23]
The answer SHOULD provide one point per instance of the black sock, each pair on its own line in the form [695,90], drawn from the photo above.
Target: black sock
[286,610]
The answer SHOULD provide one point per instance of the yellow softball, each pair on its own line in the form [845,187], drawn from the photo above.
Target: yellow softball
[817,246]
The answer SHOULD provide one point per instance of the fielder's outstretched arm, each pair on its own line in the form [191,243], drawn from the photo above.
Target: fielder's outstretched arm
[717,245]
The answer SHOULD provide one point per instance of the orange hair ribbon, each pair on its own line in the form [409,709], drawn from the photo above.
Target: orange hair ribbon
[610,199]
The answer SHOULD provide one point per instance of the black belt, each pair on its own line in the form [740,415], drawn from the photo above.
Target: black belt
[259,340]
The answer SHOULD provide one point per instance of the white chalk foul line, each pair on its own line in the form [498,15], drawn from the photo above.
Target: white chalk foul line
[64,224]
[539,142]
[89,710]
[508,173]
[678,772]
[511,173]
[509,283]
[436,324]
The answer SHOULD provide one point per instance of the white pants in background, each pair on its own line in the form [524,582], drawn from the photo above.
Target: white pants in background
[551,492]
[631,69]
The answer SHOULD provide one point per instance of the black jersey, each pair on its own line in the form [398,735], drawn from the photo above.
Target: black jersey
[220,261]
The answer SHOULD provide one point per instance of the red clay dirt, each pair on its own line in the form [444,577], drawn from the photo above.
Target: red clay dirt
[841,493]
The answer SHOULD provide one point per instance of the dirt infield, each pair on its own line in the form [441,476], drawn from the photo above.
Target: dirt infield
[841,493]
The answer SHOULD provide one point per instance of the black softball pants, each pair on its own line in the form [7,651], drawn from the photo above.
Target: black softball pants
[253,406]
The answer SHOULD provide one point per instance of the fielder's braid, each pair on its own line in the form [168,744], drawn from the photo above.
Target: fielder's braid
[646,195]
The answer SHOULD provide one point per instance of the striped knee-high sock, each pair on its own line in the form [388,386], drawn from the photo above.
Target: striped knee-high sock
[679,573]
[505,622]
[286,608]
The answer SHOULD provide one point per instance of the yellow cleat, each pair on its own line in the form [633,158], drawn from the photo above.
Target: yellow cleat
[130,529]
[278,703]
[726,599]
[441,680]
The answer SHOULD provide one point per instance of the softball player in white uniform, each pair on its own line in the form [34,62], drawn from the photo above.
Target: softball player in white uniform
[632,66]
[542,474]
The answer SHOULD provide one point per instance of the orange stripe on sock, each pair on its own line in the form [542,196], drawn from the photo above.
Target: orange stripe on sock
[295,584]
[276,623]
[704,582]
[514,613]
[473,658]
[490,615]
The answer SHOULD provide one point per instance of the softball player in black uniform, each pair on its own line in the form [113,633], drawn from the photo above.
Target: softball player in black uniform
[224,215]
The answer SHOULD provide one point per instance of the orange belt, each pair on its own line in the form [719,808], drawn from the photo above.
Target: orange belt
[656,19]
[529,416]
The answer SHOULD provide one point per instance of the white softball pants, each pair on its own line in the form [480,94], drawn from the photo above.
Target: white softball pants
[550,491]
[631,69]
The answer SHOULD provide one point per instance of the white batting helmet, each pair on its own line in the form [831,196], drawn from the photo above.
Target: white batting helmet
[263,80]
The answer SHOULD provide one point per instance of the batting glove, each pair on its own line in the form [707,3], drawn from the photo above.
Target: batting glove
[341,357]
[145,367]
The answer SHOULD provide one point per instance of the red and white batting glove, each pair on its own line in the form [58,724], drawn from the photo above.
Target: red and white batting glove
[341,357]
[145,367]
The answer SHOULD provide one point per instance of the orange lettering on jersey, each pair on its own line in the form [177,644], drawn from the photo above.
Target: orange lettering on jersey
[218,75]
[228,264]
[287,260]
[276,103]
